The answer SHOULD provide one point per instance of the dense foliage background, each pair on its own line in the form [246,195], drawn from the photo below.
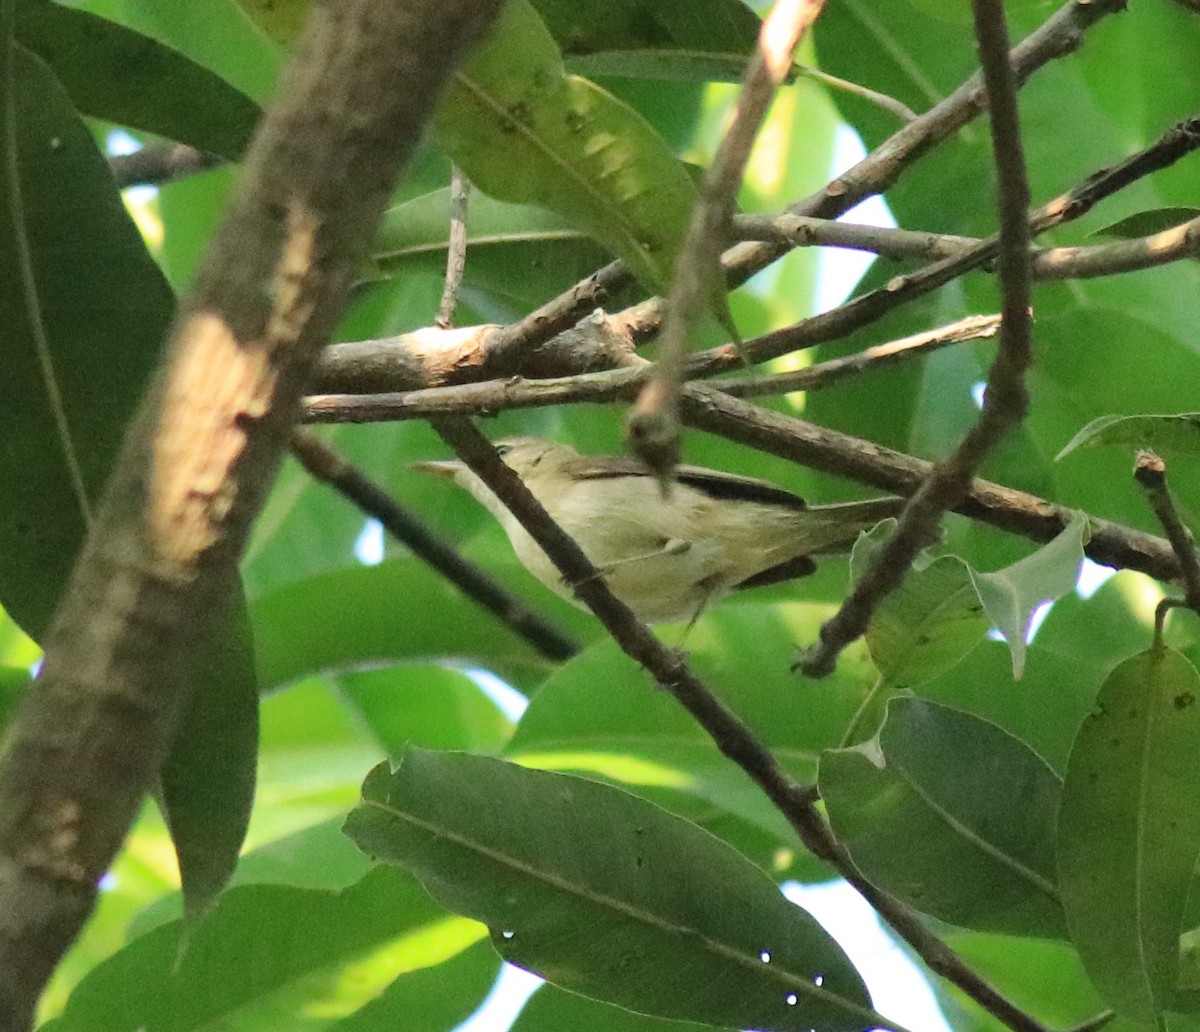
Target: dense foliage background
[359,652]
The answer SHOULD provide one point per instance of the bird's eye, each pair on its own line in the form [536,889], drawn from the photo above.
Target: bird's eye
[503,449]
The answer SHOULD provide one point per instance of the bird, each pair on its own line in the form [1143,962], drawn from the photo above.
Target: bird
[666,555]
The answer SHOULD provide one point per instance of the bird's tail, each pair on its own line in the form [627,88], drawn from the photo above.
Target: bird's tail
[840,524]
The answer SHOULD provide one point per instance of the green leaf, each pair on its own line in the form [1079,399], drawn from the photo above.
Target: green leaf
[208,776]
[718,26]
[1011,595]
[1129,830]
[607,895]
[122,76]
[668,66]
[364,615]
[969,843]
[281,20]
[84,309]
[525,132]
[425,705]
[681,40]
[271,957]
[420,227]
[1178,433]
[928,624]
[553,1010]
[1146,223]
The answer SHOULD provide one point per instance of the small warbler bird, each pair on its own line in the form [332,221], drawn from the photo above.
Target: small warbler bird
[667,556]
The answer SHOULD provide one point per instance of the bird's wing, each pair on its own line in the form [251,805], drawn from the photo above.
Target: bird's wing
[711,482]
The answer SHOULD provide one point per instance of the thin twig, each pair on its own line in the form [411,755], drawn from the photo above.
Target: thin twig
[1151,472]
[653,425]
[330,468]
[1049,263]
[1005,400]
[456,250]
[160,163]
[728,731]
[880,100]
[885,241]
[1179,141]
[881,356]
[1169,245]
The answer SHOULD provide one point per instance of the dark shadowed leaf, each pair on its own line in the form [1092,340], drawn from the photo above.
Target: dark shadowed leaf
[717,26]
[970,843]
[84,309]
[1144,223]
[600,715]
[554,1010]
[608,895]
[1129,830]
[122,76]
[208,777]
[695,40]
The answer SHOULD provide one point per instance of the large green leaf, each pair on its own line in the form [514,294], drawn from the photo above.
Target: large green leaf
[1129,830]
[123,76]
[84,309]
[269,956]
[677,923]
[525,132]
[970,843]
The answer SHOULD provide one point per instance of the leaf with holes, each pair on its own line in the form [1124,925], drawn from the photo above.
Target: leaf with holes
[608,895]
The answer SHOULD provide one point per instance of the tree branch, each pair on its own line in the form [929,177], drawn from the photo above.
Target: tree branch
[199,459]
[1005,400]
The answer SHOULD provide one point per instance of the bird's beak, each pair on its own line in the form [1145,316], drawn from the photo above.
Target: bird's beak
[447,470]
